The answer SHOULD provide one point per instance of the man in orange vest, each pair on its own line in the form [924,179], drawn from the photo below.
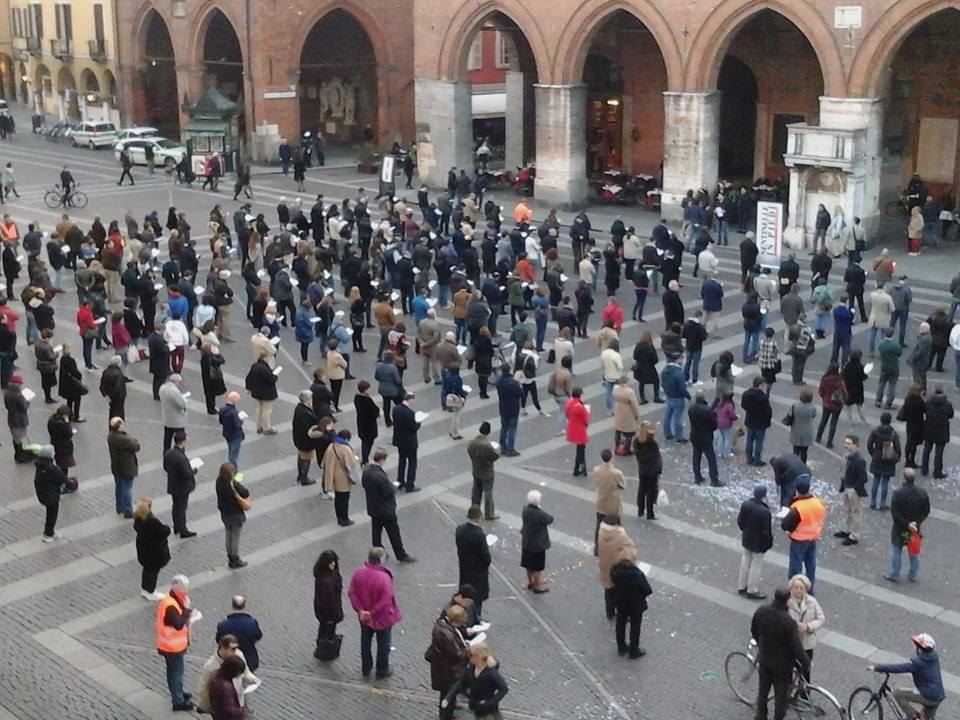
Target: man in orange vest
[173,637]
[9,232]
[804,524]
[522,215]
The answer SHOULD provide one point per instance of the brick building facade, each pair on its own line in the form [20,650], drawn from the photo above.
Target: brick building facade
[846,100]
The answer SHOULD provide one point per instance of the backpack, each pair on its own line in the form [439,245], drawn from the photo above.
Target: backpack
[529,368]
[887,450]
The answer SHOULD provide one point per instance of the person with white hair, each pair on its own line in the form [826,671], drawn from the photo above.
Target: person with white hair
[245,628]
[806,613]
[173,621]
[173,408]
[223,298]
[123,465]
[48,482]
[534,542]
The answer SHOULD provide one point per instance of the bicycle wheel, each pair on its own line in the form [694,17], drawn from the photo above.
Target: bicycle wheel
[52,199]
[741,672]
[814,702]
[864,704]
[78,200]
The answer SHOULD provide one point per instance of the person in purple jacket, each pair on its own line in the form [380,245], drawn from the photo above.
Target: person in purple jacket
[371,595]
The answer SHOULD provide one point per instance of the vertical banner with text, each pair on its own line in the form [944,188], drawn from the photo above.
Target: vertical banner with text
[388,173]
[769,233]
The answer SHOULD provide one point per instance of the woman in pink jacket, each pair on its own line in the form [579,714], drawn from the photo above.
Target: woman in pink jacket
[725,412]
[371,595]
[578,417]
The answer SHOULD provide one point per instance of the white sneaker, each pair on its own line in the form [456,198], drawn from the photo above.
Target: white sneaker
[146,595]
[524,411]
[157,596]
[544,413]
[48,538]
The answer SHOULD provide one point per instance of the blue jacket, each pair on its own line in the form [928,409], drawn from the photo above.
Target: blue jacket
[179,307]
[842,322]
[509,394]
[419,306]
[231,422]
[711,292]
[339,331]
[674,385]
[303,328]
[925,668]
[247,631]
[453,383]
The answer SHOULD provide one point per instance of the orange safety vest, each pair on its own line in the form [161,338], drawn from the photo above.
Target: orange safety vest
[169,639]
[9,231]
[812,512]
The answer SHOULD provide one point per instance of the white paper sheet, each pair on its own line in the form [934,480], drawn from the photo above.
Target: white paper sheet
[242,415]
[28,394]
[278,369]
[491,539]
[276,340]
[196,463]
[420,416]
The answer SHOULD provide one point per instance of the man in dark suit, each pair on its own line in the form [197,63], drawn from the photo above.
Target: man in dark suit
[405,427]
[245,628]
[473,555]
[381,498]
[181,481]
[780,651]
[159,359]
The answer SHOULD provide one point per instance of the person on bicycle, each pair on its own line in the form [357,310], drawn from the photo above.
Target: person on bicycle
[925,668]
[781,650]
[66,184]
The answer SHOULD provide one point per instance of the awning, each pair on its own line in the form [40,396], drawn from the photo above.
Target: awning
[489,105]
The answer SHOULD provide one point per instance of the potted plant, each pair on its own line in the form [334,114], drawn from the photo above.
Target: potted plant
[368,159]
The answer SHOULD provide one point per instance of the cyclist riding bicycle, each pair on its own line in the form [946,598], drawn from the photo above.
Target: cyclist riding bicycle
[925,668]
[66,183]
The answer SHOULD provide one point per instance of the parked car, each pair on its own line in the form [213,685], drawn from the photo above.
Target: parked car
[137,132]
[166,152]
[94,135]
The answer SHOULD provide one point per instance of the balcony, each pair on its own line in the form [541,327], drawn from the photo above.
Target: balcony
[98,49]
[823,147]
[61,49]
[33,46]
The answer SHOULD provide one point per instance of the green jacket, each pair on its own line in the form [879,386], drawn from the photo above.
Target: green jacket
[889,352]
[123,454]
[482,456]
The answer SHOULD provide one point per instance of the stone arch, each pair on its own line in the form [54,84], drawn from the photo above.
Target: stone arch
[454,46]
[721,26]
[147,15]
[884,39]
[109,83]
[89,82]
[579,32]
[40,74]
[65,80]
[379,39]
[206,14]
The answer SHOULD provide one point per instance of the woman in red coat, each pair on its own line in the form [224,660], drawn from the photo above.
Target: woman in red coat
[578,417]
[87,327]
[833,394]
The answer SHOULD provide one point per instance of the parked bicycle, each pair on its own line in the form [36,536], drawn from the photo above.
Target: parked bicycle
[867,704]
[804,699]
[58,198]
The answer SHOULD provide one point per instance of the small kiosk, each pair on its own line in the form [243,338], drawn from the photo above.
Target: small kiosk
[213,128]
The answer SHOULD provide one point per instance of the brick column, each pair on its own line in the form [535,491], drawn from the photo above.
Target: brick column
[513,153]
[691,143]
[444,129]
[561,145]
[863,186]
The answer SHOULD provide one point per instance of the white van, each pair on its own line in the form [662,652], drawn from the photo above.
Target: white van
[94,135]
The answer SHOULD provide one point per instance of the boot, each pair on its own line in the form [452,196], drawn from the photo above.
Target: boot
[20,455]
[303,468]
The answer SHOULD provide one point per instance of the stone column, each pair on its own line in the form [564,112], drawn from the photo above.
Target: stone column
[761,143]
[561,145]
[863,184]
[513,152]
[691,143]
[444,128]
